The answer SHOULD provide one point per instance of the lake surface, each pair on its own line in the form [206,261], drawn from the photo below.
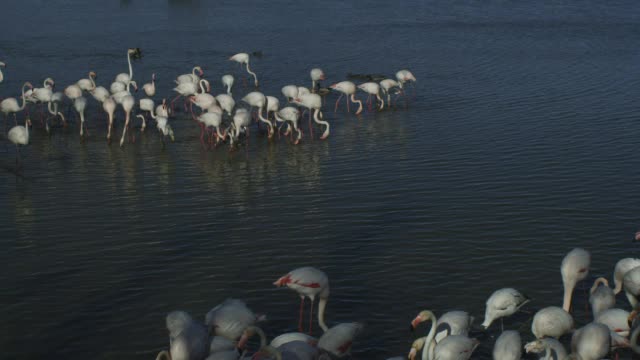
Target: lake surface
[520,143]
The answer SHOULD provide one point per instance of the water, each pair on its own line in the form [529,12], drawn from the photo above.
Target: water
[518,146]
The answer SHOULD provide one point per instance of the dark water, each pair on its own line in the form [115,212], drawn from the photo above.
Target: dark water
[519,145]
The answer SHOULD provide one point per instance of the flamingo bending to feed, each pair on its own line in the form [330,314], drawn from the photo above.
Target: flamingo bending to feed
[109,106]
[10,105]
[372,88]
[241,122]
[503,302]
[258,100]
[308,282]
[292,115]
[192,78]
[404,76]
[549,346]
[1,74]
[602,297]
[508,346]
[128,103]
[617,320]
[622,267]
[338,339]
[124,77]
[52,106]
[80,104]
[162,124]
[273,105]
[187,339]
[551,321]
[230,319]
[316,75]
[19,135]
[88,84]
[226,102]
[290,92]
[150,88]
[349,89]
[146,105]
[227,80]
[243,58]
[590,342]
[574,267]
[386,85]
[313,102]
[212,119]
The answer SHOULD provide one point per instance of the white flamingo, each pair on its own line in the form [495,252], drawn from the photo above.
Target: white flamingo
[308,282]
[188,340]
[258,100]
[10,105]
[424,343]
[622,267]
[52,106]
[508,346]
[88,84]
[150,88]
[316,75]
[616,320]
[44,93]
[230,319]
[146,105]
[212,119]
[386,85]
[100,93]
[187,89]
[349,89]
[293,336]
[128,102]
[241,122]
[313,102]
[163,126]
[404,76]
[227,80]
[19,135]
[243,58]
[121,95]
[338,339]
[372,88]
[591,342]
[291,115]
[80,104]
[503,302]
[574,267]
[455,347]
[551,321]
[226,102]
[273,105]
[602,296]
[192,78]
[109,106]
[290,92]
[124,77]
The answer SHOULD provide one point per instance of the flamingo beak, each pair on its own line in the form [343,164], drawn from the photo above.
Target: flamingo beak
[637,237]
[322,77]
[415,323]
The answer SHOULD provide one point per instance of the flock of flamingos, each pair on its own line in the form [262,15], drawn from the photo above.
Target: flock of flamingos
[195,90]
[229,326]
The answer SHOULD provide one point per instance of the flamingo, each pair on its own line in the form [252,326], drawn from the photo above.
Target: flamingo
[450,323]
[386,85]
[508,346]
[250,331]
[372,88]
[100,93]
[308,282]
[203,100]
[590,342]
[404,76]
[622,267]
[88,84]
[230,319]
[44,93]
[503,302]
[273,105]
[188,341]
[221,343]
[128,102]
[52,106]
[300,350]
[2,65]
[162,109]
[349,89]
[73,91]
[19,135]
[241,122]
[290,92]
[162,124]
[146,105]
[574,267]
[190,78]
[338,339]
[243,58]
[455,347]
[313,101]
[109,106]
[615,319]
[635,332]
[551,321]
[124,77]
[602,297]
[188,88]
[293,336]
[10,105]
[150,88]
[226,103]
[258,100]
[549,346]
[316,75]
[80,104]
[631,285]
[292,115]
[227,80]
[424,343]
[212,119]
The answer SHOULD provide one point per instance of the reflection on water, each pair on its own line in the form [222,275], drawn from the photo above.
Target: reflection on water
[518,145]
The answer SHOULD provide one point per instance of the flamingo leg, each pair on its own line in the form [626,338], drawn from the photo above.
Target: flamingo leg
[348,109]
[310,126]
[172,101]
[311,316]
[337,102]
[300,316]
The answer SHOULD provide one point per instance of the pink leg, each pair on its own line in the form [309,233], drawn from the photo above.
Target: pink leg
[310,125]
[202,135]
[300,317]
[172,101]
[348,110]
[337,102]
[311,316]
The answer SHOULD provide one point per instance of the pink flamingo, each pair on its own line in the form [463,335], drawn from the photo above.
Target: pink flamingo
[308,282]
[347,88]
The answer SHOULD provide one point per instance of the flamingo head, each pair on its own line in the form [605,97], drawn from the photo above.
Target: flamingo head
[153,76]
[333,86]
[200,70]
[136,53]
[422,317]
[135,85]
[283,280]
[322,77]
[637,237]
[28,122]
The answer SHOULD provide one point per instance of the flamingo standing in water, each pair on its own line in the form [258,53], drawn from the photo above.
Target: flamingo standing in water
[258,100]
[372,88]
[127,104]
[193,77]
[290,92]
[19,135]
[109,106]
[2,65]
[150,88]
[292,115]
[188,88]
[226,102]
[188,340]
[10,105]
[501,303]
[212,119]
[404,76]
[313,102]
[338,339]
[349,89]
[80,104]
[631,285]
[308,282]
[88,84]
[240,123]
[316,75]
[230,319]
[591,342]
[386,85]
[227,80]
[574,267]
[243,58]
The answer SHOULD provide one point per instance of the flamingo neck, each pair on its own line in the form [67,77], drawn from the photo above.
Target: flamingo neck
[130,67]
[255,78]
[1,75]
[427,349]
[220,135]
[203,81]
[93,83]
[322,305]
[164,354]
[144,121]
[26,127]
[354,100]
[568,293]
[381,101]
[193,72]
[264,120]
[229,89]
[24,100]
[599,281]
[633,340]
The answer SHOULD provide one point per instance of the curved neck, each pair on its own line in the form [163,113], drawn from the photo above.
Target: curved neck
[130,67]
[229,89]
[633,340]
[144,121]
[354,100]
[222,136]
[203,81]
[599,281]
[193,72]
[24,100]
[568,293]
[317,119]
[1,75]
[164,354]
[381,101]
[255,78]
[426,350]
[93,83]
[322,305]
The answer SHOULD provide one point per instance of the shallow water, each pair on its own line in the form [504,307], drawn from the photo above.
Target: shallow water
[519,145]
